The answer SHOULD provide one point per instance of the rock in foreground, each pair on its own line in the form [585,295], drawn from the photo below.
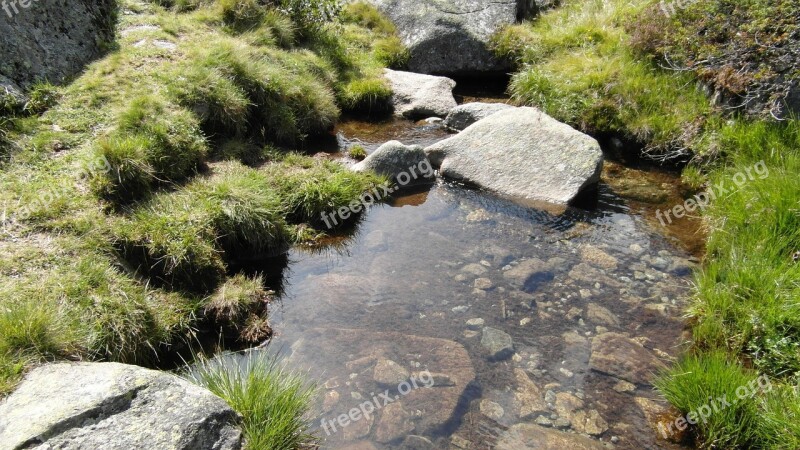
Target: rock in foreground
[521,153]
[451,37]
[419,96]
[114,406]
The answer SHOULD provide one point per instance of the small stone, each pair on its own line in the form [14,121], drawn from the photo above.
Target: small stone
[601,315]
[543,421]
[459,442]
[499,343]
[524,321]
[395,423]
[330,401]
[356,396]
[585,293]
[469,334]
[624,386]
[491,409]
[589,422]
[567,373]
[561,423]
[574,313]
[550,396]
[483,283]
[475,324]
[460,309]
[474,269]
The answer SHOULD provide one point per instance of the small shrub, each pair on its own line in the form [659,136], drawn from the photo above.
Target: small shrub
[311,15]
[357,152]
[272,400]
[241,15]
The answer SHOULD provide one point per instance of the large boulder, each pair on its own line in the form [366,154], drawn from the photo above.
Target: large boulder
[114,406]
[521,153]
[465,115]
[420,96]
[450,36]
[402,163]
[51,40]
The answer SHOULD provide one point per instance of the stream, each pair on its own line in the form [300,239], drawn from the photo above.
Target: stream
[459,316]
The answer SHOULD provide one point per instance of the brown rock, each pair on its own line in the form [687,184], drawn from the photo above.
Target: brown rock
[389,373]
[599,258]
[589,422]
[526,436]
[617,355]
[395,423]
[599,315]
[528,398]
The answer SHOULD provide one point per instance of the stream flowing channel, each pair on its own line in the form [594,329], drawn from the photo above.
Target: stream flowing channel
[468,321]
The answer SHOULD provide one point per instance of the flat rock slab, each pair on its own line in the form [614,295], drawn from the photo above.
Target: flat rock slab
[622,357]
[521,153]
[417,96]
[114,406]
[359,365]
[451,36]
[526,436]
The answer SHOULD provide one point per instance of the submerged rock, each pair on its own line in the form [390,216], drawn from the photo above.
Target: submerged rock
[465,115]
[420,96]
[405,164]
[451,37]
[115,406]
[527,436]
[498,343]
[521,153]
[617,355]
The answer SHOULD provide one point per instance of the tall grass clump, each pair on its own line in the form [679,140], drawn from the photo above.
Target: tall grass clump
[697,381]
[272,399]
[154,144]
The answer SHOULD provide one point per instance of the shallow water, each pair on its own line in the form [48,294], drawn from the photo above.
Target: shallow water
[393,302]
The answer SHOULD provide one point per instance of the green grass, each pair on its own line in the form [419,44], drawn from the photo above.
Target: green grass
[273,400]
[598,65]
[357,152]
[128,195]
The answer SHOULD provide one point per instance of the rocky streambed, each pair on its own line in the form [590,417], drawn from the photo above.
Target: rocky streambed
[470,321]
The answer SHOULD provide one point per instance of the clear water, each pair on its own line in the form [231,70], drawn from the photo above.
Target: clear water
[393,301]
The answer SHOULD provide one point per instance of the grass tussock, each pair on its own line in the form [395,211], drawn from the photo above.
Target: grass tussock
[186,131]
[273,400]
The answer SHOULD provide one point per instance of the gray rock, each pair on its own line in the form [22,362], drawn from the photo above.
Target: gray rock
[450,37]
[114,406]
[499,343]
[407,165]
[465,115]
[53,40]
[527,436]
[521,153]
[418,96]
